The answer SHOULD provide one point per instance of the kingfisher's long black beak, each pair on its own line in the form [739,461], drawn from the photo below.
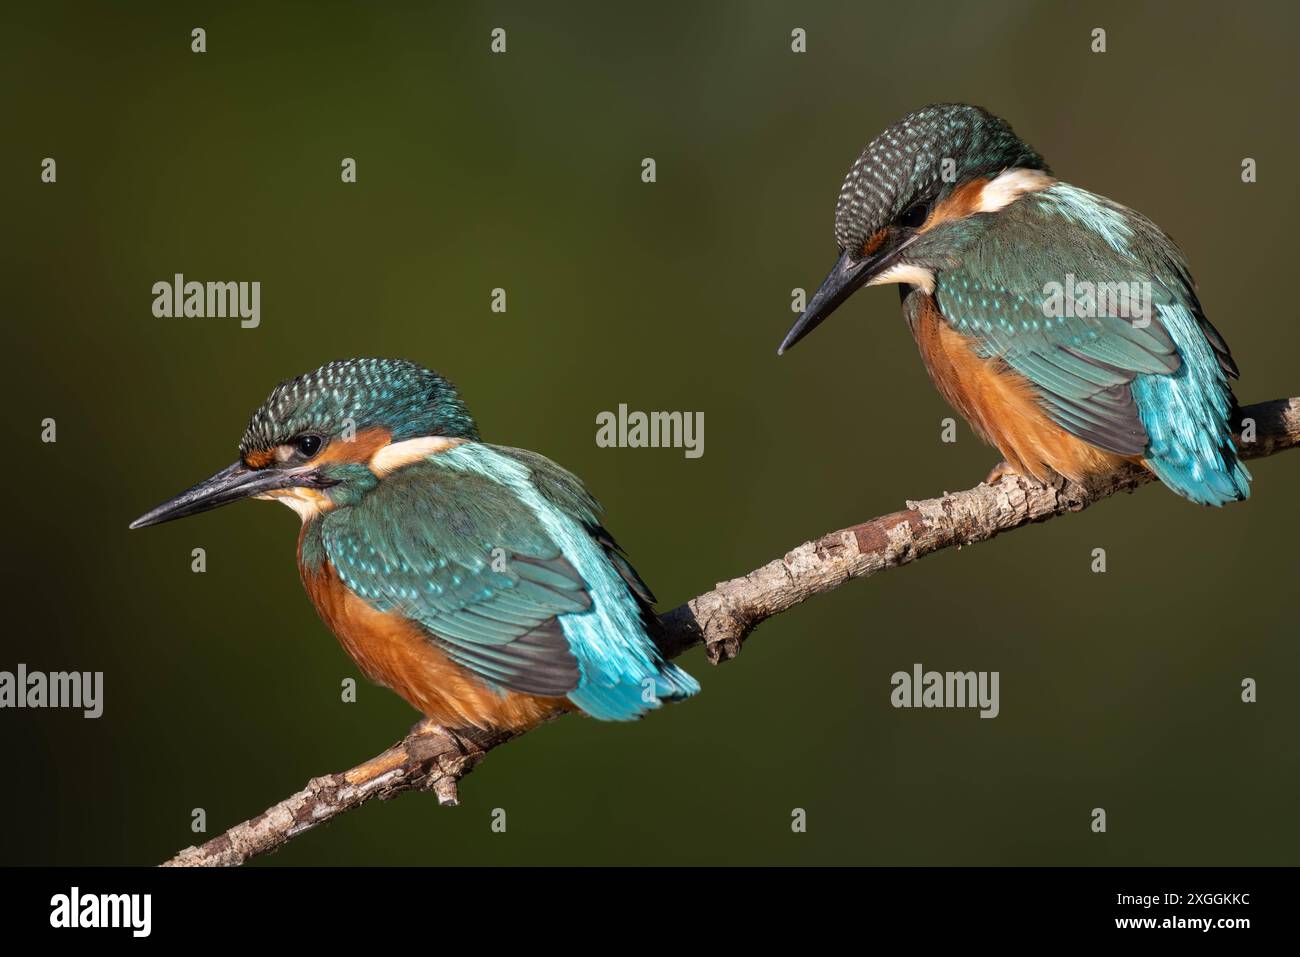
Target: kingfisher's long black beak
[846,277]
[230,485]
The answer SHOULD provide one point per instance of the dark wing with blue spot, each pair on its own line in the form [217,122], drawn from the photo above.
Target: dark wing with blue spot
[1009,295]
[462,556]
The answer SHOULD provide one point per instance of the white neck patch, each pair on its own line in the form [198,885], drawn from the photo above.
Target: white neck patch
[1009,185]
[393,456]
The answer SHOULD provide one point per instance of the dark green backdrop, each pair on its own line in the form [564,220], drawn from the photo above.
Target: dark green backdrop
[523,171]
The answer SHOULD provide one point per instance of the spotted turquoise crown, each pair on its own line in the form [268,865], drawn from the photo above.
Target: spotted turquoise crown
[407,399]
[904,165]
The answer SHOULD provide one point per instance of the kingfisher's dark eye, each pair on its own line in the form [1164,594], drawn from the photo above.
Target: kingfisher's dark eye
[914,215]
[307,445]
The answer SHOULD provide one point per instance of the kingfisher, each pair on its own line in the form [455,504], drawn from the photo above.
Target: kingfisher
[474,580]
[1064,327]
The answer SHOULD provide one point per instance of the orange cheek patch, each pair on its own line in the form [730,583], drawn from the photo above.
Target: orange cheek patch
[962,202]
[259,458]
[366,443]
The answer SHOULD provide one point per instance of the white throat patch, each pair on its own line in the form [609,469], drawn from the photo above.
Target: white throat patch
[307,502]
[908,273]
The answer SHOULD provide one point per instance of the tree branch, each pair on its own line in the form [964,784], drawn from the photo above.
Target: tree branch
[432,758]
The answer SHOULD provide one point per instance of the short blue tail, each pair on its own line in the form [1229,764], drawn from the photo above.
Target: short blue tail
[630,697]
[1186,416]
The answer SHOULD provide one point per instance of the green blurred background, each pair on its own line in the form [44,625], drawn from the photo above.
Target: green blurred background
[523,171]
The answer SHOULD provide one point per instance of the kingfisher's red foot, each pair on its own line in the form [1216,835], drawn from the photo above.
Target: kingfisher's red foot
[425,726]
[999,472]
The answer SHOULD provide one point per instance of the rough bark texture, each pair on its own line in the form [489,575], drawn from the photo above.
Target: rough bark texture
[432,758]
